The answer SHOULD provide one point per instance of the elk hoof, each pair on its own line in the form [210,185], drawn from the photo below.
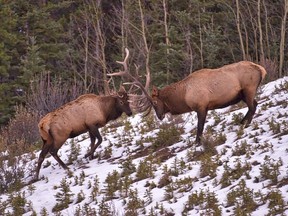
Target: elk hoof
[65,168]
[90,155]
[198,142]
[245,123]
[34,180]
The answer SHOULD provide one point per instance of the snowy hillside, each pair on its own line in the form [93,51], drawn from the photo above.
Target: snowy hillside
[147,167]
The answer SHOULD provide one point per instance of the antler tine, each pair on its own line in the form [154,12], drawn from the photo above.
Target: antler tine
[120,73]
[145,88]
[135,80]
[107,86]
[131,87]
[140,104]
[137,69]
[124,63]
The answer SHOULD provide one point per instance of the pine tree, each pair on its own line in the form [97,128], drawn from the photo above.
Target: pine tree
[9,60]
[63,197]
[32,63]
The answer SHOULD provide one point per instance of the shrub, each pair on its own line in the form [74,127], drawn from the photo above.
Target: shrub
[125,184]
[274,126]
[169,192]
[74,151]
[13,169]
[18,202]
[241,149]
[270,169]
[242,198]
[16,139]
[164,180]
[271,67]
[208,166]
[145,168]
[237,118]
[20,133]
[104,209]
[80,197]
[207,202]
[127,167]
[148,196]
[276,203]
[167,135]
[63,197]
[134,204]
[184,184]
[112,181]
[148,123]
[85,210]
[95,190]
[46,95]
[44,212]
[231,174]
[209,143]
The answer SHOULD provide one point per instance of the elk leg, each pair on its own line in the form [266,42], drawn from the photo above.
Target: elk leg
[249,115]
[92,139]
[96,133]
[53,152]
[45,150]
[252,104]
[201,115]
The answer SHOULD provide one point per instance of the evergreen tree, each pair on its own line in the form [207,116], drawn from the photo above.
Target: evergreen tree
[32,63]
[79,41]
[9,60]
[63,197]
[34,37]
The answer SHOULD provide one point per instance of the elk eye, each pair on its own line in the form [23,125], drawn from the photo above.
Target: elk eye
[121,103]
[155,103]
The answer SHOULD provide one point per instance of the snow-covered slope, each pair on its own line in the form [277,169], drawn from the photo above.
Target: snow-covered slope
[147,167]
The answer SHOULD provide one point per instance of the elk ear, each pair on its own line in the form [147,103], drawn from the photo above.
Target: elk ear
[155,91]
[122,89]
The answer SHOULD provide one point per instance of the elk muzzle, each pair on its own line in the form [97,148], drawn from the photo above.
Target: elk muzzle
[160,116]
[129,113]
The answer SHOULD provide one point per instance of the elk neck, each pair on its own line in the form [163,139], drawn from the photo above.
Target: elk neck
[111,109]
[173,98]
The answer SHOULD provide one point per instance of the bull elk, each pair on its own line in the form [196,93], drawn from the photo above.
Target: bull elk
[203,90]
[88,112]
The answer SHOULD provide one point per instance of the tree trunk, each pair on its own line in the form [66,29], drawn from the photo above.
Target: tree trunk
[146,51]
[239,29]
[282,40]
[123,28]
[166,39]
[260,29]
[86,56]
[200,38]
[266,31]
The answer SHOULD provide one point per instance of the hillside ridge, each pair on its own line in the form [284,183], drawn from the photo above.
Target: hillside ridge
[147,167]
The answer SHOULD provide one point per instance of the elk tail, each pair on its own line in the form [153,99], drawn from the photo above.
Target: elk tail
[44,130]
[262,70]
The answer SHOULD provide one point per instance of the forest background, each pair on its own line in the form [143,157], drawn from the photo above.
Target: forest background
[53,51]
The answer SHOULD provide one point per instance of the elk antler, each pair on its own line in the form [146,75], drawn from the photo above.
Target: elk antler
[106,83]
[142,102]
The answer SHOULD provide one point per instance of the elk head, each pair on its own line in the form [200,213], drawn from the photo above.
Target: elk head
[139,103]
[122,101]
[158,105]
